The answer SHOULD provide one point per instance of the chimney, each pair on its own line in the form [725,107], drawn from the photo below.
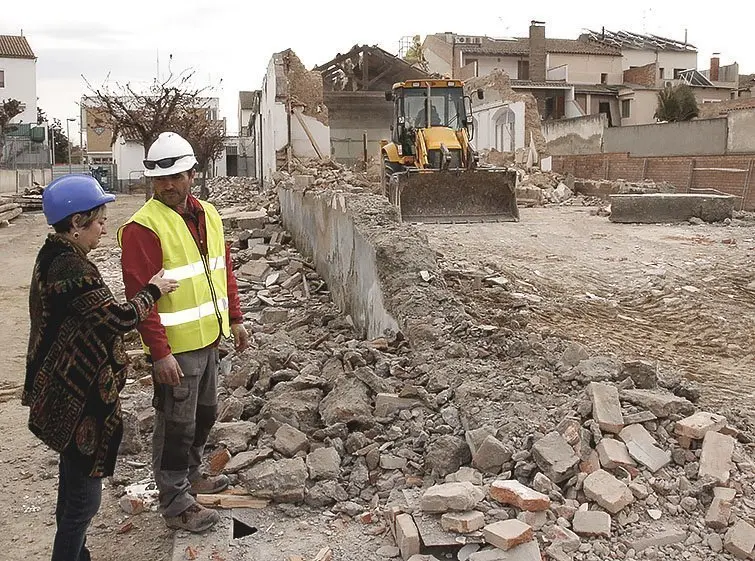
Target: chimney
[538,55]
[715,63]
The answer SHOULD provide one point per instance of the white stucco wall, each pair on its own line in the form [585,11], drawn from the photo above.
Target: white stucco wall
[587,69]
[274,129]
[302,147]
[128,156]
[486,64]
[643,105]
[488,130]
[21,84]
[668,60]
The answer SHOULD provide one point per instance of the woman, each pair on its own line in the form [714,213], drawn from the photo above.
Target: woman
[76,362]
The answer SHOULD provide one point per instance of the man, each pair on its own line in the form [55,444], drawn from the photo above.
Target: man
[175,231]
[435,120]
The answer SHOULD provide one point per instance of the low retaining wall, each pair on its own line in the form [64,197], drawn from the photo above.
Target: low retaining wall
[372,263]
[666,208]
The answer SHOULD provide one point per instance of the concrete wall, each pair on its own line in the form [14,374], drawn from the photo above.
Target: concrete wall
[741,125]
[668,60]
[492,129]
[15,181]
[586,69]
[583,135]
[300,142]
[486,64]
[643,104]
[668,139]
[438,55]
[274,126]
[21,84]
[323,228]
[351,115]
[128,156]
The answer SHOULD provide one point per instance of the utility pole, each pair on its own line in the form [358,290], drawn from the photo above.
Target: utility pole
[68,134]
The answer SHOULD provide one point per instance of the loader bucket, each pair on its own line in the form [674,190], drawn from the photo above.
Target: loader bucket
[455,196]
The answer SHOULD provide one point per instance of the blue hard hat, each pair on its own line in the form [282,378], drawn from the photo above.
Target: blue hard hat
[70,194]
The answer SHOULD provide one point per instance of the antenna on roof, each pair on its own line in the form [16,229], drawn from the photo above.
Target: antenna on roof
[685,35]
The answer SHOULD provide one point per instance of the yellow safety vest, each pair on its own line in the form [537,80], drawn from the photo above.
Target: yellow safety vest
[196,313]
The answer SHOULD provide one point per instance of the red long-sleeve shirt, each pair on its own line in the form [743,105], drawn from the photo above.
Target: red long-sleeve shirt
[142,258]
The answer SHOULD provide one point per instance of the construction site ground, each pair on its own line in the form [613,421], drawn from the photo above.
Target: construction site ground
[681,294]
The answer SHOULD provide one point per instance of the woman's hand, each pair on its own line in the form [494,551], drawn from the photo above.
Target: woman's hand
[165,285]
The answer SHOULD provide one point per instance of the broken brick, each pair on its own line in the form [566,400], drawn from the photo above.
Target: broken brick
[462,522]
[610,493]
[715,459]
[699,424]
[511,492]
[508,534]
[606,407]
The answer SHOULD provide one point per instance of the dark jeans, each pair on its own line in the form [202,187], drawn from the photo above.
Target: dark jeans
[79,499]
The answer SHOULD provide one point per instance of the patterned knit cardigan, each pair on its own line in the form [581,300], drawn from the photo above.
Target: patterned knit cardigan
[76,362]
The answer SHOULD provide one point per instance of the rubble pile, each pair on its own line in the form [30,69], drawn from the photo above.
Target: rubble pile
[9,211]
[603,188]
[486,441]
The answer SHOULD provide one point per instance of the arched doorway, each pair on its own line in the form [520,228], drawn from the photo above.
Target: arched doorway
[504,121]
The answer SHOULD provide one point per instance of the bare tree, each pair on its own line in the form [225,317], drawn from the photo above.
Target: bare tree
[142,116]
[9,108]
[206,136]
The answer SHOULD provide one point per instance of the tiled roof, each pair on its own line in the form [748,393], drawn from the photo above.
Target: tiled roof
[532,84]
[15,46]
[521,46]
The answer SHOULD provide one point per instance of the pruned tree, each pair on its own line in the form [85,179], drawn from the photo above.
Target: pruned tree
[143,115]
[206,136]
[676,103]
[9,108]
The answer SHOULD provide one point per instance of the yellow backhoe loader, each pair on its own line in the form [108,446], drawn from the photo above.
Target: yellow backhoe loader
[431,171]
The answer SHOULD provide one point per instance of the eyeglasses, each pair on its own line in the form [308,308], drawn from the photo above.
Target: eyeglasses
[163,163]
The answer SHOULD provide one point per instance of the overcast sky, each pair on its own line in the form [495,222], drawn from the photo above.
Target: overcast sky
[229,43]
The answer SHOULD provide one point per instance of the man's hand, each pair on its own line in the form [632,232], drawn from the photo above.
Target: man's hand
[240,337]
[167,371]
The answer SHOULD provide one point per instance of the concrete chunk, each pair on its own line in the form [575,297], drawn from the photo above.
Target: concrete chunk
[462,522]
[323,463]
[718,514]
[610,493]
[740,540]
[451,496]
[555,457]
[407,535]
[668,537]
[511,492]
[643,447]
[661,404]
[606,407]
[592,523]
[289,440]
[491,455]
[664,208]
[715,460]
[255,270]
[699,424]
[564,538]
[508,534]
[386,404]
[613,453]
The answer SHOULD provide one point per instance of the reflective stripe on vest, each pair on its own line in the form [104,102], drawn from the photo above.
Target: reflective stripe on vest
[196,313]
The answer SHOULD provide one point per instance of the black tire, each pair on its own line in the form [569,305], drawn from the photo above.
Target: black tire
[389,168]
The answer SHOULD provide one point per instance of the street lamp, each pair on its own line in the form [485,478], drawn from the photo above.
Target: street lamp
[68,135]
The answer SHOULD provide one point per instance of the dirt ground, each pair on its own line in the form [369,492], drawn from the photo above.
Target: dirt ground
[683,295]
[680,294]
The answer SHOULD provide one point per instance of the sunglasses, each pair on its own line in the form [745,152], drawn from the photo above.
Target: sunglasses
[163,163]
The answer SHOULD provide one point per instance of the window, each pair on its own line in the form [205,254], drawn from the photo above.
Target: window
[2,78]
[523,70]
[476,65]
[661,73]
[604,78]
[677,71]
[626,108]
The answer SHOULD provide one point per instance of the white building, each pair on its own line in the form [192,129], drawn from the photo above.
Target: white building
[18,75]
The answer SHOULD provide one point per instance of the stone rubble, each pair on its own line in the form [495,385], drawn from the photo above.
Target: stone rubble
[572,445]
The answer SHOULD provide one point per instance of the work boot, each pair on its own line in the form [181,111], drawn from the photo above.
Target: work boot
[209,484]
[194,519]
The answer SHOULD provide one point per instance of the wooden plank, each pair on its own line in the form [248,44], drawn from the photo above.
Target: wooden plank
[309,134]
[8,206]
[231,501]
[10,214]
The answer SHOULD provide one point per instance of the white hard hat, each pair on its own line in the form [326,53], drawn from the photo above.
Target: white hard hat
[170,153]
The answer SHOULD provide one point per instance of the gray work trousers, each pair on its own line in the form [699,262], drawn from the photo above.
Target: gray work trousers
[184,415]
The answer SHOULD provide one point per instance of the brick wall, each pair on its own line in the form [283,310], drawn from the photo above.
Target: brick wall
[734,175]
[642,75]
